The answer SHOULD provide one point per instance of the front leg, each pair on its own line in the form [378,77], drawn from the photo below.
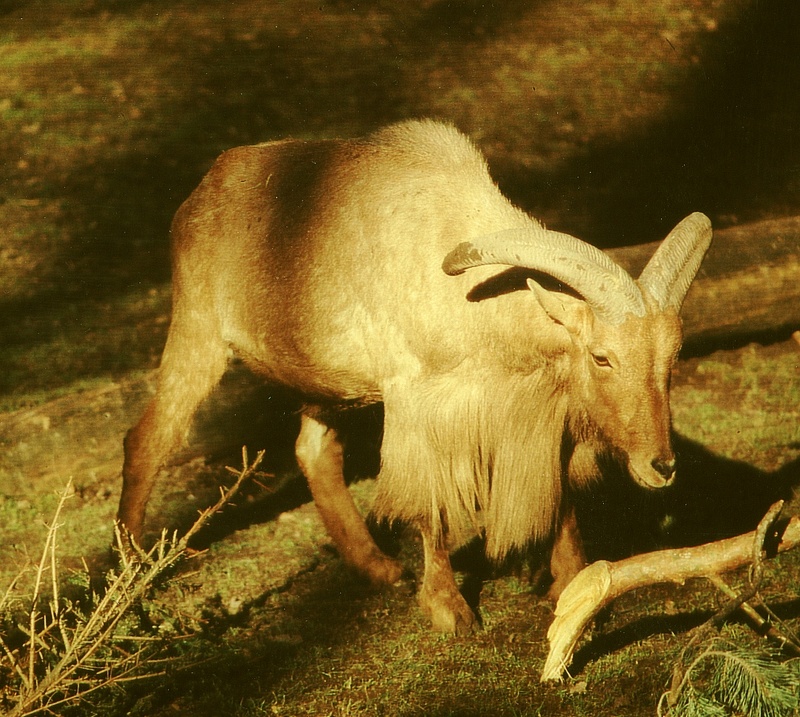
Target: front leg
[319,454]
[439,597]
[568,557]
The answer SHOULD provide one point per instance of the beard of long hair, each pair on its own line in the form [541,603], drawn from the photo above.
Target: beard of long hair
[462,458]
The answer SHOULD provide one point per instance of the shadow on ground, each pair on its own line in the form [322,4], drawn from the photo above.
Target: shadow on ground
[729,146]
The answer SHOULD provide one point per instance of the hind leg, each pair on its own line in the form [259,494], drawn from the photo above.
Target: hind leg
[320,456]
[192,365]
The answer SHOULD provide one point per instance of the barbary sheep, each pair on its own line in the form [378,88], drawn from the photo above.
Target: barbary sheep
[391,269]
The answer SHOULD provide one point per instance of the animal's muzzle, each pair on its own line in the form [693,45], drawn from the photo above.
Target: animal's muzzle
[654,473]
[666,469]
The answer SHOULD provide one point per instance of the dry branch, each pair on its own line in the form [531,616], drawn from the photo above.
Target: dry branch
[602,582]
[66,655]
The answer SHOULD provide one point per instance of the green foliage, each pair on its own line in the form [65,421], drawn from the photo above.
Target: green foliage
[756,684]
[725,679]
[695,704]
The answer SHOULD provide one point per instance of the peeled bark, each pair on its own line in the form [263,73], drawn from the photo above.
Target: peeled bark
[602,582]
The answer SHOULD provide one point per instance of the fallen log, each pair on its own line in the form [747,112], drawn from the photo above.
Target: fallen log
[749,283]
[600,583]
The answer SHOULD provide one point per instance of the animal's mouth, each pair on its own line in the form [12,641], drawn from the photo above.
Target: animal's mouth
[653,473]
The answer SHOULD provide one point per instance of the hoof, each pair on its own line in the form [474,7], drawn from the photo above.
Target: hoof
[554,591]
[378,568]
[448,612]
[559,584]
[382,570]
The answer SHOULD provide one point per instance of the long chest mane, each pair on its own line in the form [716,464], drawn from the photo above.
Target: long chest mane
[471,456]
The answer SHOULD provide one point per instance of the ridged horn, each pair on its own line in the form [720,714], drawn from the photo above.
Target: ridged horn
[605,286]
[673,267]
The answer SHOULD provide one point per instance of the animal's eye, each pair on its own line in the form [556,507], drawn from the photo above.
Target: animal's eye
[601,360]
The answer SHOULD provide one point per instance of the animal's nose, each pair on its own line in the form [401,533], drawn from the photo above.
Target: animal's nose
[666,469]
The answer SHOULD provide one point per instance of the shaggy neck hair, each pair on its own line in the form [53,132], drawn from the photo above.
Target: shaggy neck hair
[465,457]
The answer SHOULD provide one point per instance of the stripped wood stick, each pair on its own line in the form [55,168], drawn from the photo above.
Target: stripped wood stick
[602,582]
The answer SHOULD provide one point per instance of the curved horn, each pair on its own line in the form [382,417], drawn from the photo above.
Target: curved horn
[672,268]
[605,286]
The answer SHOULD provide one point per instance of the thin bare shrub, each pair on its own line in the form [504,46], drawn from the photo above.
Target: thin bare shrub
[69,652]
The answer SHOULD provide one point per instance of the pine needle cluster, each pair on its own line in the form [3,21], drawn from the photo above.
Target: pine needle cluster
[723,679]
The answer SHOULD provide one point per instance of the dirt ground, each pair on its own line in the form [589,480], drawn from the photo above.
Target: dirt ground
[610,120]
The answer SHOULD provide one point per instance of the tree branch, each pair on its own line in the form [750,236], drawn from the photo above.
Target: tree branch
[602,582]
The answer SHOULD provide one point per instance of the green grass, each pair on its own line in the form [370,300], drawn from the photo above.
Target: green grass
[105,339]
[761,391]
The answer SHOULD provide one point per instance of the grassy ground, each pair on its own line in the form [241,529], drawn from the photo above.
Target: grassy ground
[281,627]
[610,120]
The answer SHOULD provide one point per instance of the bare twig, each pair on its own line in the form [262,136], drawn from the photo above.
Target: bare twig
[10,656]
[756,573]
[783,640]
[49,542]
[225,496]
[764,533]
[82,669]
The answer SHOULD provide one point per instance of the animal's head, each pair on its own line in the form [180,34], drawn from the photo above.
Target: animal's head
[622,335]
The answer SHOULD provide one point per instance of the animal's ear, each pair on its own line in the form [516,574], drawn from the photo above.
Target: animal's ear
[560,307]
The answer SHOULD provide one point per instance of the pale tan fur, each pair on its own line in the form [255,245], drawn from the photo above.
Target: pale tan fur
[477,455]
[320,265]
